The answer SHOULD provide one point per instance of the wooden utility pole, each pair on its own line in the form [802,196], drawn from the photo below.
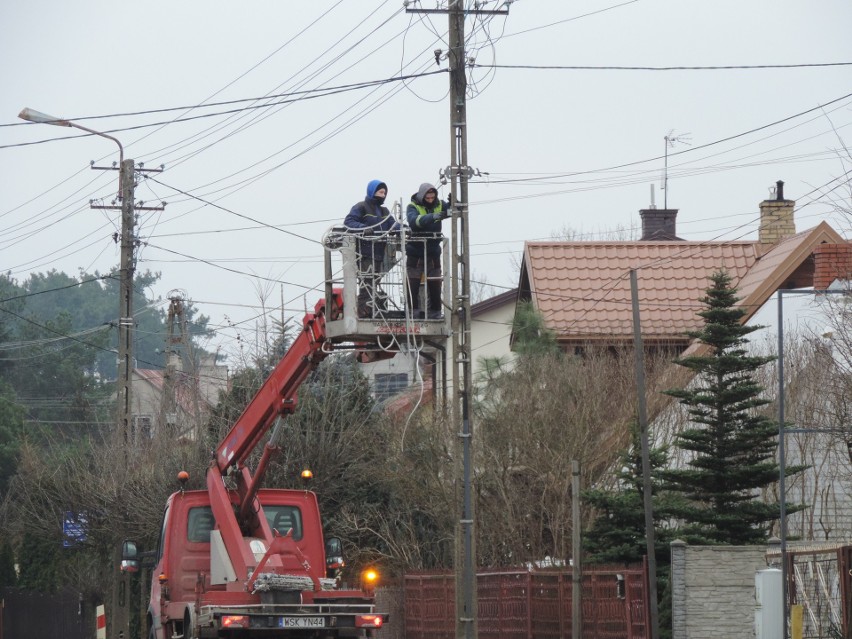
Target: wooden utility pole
[458,173]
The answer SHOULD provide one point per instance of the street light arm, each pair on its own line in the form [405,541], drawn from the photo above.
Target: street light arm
[31,115]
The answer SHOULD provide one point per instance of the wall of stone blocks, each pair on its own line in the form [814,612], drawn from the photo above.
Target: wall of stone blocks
[713,590]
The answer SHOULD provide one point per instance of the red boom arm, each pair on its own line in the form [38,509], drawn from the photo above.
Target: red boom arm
[277,395]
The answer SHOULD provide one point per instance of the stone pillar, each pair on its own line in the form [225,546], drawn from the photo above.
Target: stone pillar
[678,587]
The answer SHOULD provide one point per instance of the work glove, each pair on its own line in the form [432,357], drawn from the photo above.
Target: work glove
[443,215]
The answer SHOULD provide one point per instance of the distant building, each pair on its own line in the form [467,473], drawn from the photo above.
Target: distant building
[175,400]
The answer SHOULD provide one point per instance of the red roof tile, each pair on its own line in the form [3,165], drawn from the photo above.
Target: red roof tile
[583,288]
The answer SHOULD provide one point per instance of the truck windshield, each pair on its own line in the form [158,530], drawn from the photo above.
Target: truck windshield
[283,518]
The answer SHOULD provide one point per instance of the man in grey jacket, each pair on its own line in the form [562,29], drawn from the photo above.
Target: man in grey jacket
[423,252]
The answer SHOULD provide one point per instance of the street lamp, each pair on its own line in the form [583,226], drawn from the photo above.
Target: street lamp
[31,115]
[126,186]
[125,312]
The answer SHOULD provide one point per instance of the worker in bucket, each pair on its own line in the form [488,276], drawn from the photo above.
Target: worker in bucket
[372,221]
[423,252]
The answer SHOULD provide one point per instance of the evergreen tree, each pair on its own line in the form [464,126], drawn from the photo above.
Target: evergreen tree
[618,533]
[532,337]
[39,560]
[8,578]
[730,448]
[11,429]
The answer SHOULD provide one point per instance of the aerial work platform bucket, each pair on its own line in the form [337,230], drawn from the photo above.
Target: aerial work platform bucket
[376,297]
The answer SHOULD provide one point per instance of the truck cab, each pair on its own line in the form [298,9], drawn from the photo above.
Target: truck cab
[195,592]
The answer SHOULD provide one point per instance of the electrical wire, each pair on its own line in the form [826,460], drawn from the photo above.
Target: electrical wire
[733,67]
[691,149]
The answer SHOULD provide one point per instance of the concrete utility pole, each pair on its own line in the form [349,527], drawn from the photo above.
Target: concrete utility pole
[458,173]
[125,306]
[650,548]
[120,612]
[465,555]
[576,555]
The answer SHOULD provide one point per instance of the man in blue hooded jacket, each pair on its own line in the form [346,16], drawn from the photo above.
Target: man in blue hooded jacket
[423,253]
[372,221]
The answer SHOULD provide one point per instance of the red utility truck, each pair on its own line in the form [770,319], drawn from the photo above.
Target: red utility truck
[241,561]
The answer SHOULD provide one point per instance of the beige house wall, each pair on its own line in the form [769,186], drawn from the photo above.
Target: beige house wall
[490,333]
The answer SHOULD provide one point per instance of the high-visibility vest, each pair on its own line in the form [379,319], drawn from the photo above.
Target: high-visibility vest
[421,210]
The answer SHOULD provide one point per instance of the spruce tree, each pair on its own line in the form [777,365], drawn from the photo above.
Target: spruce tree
[618,532]
[730,445]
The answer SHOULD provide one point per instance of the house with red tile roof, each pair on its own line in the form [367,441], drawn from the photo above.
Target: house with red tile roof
[175,399]
[582,289]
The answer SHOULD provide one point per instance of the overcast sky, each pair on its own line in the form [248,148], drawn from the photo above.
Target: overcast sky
[564,150]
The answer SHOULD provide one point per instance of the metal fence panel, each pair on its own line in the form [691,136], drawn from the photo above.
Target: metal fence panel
[524,604]
[33,615]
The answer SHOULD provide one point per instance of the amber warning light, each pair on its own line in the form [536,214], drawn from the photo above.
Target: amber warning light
[369,579]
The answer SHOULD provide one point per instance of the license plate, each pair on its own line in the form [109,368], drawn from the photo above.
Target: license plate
[301,622]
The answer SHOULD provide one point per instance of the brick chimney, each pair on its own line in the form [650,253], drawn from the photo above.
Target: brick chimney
[776,217]
[659,224]
[831,262]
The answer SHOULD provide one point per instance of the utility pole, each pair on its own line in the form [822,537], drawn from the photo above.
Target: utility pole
[120,609]
[120,613]
[576,555]
[127,266]
[125,307]
[650,547]
[458,173]
[465,555]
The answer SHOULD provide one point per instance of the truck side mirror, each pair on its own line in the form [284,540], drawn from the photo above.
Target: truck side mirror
[333,557]
[129,557]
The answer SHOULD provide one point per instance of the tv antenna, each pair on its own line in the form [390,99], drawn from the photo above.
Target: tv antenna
[670,140]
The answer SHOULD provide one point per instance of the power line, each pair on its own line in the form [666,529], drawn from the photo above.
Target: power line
[733,67]
[58,288]
[585,15]
[683,151]
[232,270]
[232,212]
[137,127]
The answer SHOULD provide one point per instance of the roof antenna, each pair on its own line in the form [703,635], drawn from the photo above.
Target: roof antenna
[670,141]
